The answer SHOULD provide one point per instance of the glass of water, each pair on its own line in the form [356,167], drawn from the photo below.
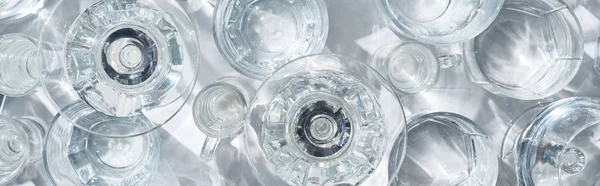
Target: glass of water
[531,51]
[257,37]
[323,120]
[21,142]
[440,21]
[220,110]
[122,58]
[555,144]
[445,149]
[76,157]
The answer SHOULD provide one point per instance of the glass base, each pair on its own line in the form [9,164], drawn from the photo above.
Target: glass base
[122,58]
[20,71]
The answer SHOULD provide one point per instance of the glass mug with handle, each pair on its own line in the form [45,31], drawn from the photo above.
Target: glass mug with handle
[532,50]
[219,111]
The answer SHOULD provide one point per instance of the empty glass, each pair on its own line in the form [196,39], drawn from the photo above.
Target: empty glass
[123,58]
[21,145]
[257,37]
[446,149]
[20,69]
[323,120]
[220,110]
[555,144]
[75,157]
[411,67]
[441,21]
[531,51]
[14,9]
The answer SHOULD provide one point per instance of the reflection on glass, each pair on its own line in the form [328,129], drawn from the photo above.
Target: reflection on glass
[75,157]
[441,21]
[411,67]
[257,37]
[21,145]
[14,9]
[555,144]
[323,120]
[220,110]
[531,51]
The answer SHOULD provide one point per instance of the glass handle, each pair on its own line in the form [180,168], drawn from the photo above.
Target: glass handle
[208,148]
[450,61]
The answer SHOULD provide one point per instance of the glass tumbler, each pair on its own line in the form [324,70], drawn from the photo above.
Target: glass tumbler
[411,67]
[445,149]
[20,68]
[531,51]
[15,9]
[76,157]
[323,120]
[21,141]
[555,144]
[258,36]
[220,110]
[440,21]
[121,57]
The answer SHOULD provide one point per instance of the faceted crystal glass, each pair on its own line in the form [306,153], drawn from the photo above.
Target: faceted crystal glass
[258,36]
[440,21]
[324,120]
[531,51]
[122,58]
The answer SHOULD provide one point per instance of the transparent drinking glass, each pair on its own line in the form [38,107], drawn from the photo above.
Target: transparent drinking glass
[440,21]
[411,67]
[446,149]
[73,156]
[219,111]
[531,51]
[123,58]
[20,68]
[323,120]
[21,140]
[556,143]
[15,9]
[257,37]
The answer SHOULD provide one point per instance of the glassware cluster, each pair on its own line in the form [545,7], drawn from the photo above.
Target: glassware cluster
[117,70]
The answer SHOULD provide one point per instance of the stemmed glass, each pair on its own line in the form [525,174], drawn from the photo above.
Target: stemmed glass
[123,58]
[324,120]
[220,110]
[555,144]
[21,140]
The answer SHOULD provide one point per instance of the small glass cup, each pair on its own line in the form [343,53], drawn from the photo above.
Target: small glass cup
[76,157]
[323,120]
[441,21]
[555,144]
[219,111]
[411,67]
[15,9]
[21,141]
[20,68]
[531,51]
[445,149]
[123,58]
[257,37]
